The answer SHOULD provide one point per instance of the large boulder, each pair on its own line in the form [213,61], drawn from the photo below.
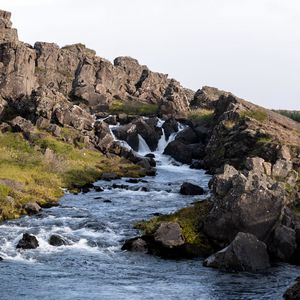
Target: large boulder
[283,244]
[170,126]
[188,188]
[28,241]
[185,153]
[245,253]
[249,201]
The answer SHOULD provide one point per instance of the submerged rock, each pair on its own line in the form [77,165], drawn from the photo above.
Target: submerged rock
[57,240]
[28,241]
[1,258]
[191,189]
[245,253]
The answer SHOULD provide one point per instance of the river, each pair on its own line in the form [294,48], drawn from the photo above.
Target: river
[93,265]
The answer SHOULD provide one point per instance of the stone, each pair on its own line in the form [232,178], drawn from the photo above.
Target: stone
[32,208]
[169,234]
[135,245]
[57,240]
[1,259]
[283,244]
[20,124]
[28,241]
[248,201]
[191,189]
[293,293]
[282,168]
[170,126]
[245,254]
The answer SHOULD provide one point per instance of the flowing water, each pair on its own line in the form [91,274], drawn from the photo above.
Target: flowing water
[93,265]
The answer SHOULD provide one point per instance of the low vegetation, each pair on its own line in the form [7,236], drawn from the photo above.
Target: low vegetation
[39,172]
[201,114]
[258,115]
[189,219]
[133,108]
[292,114]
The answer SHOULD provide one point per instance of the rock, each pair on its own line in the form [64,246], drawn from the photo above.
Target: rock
[245,253]
[135,245]
[191,189]
[293,293]
[28,242]
[57,240]
[133,180]
[1,259]
[111,120]
[109,176]
[206,97]
[147,128]
[247,201]
[187,136]
[282,168]
[169,234]
[184,153]
[150,155]
[20,124]
[98,189]
[283,244]
[170,126]
[32,208]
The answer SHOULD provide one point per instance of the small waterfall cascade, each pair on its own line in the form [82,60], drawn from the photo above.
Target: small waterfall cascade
[143,146]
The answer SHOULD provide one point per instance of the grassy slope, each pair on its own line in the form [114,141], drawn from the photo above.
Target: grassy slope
[35,178]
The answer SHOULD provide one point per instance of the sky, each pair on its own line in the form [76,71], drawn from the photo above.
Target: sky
[248,47]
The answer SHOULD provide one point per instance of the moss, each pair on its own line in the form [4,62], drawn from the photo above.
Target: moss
[133,108]
[43,180]
[200,114]
[264,140]
[258,115]
[189,219]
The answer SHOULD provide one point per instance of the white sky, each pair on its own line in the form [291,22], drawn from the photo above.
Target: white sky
[248,47]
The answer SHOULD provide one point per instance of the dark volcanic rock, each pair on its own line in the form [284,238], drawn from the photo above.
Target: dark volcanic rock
[1,258]
[245,253]
[293,293]
[28,242]
[283,244]
[170,126]
[136,245]
[241,202]
[191,189]
[57,240]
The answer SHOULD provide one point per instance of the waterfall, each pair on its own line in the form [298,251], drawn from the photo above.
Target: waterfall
[162,143]
[143,146]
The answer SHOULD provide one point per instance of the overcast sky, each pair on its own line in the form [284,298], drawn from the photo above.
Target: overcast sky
[248,47]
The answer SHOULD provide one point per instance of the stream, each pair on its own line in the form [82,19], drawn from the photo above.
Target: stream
[93,265]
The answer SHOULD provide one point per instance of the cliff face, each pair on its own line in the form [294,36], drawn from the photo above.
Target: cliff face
[77,73]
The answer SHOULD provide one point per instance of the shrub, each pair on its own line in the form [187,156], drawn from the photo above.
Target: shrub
[133,108]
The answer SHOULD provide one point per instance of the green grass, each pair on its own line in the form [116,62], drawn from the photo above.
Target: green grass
[189,219]
[264,140]
[43,180]
[292,114]
[258,115]
[201,115]
[133,108]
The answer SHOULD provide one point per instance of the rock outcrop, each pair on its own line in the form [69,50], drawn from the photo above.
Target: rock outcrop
[245,253]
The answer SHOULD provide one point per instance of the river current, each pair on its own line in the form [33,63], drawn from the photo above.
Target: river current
[93,265]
